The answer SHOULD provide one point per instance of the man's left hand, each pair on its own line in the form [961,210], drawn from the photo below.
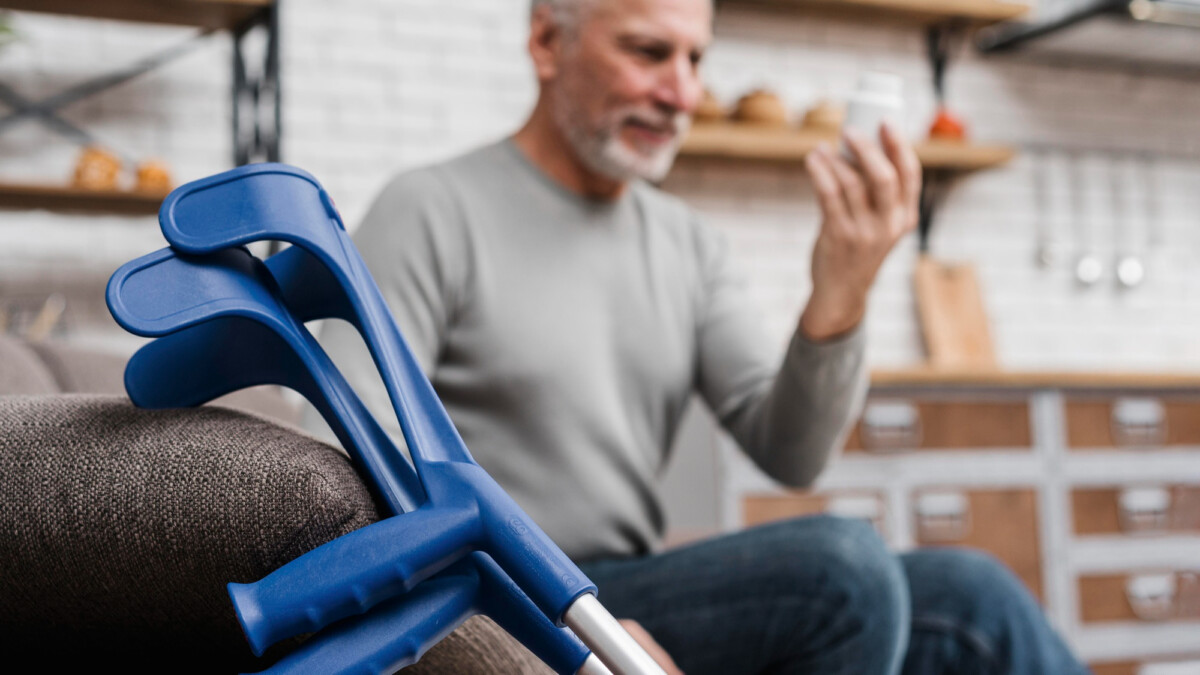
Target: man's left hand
[866,209]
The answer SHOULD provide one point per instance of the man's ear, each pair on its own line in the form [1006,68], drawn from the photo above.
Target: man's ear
[545,43]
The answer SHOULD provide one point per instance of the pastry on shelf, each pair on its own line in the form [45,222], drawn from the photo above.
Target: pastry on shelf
[153,177]
[826,116]
[97,169]
[709,110]
[947,126]
[763,108]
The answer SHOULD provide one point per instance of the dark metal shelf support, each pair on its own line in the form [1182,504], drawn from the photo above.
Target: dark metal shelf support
[256,94]
[941,39]
[46,110]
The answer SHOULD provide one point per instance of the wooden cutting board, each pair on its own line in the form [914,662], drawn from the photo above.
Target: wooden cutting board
[953,320]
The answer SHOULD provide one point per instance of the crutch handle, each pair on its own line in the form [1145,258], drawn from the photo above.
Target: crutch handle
[351,574]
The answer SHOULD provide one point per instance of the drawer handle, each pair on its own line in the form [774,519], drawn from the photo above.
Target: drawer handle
[1151,596]
[1145,510]
[1139,422]
[890,425]
[943,517]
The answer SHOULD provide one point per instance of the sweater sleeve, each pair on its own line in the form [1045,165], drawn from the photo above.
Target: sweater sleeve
[788,418]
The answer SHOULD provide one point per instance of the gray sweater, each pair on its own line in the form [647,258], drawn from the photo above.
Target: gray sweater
[565,337]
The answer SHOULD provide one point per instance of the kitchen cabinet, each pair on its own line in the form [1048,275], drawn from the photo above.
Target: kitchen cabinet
[1150,596]
[900,424]
[1136,510]
[1003,522]
[1087,485]
[760,509]
[1172,667]
[1132,422]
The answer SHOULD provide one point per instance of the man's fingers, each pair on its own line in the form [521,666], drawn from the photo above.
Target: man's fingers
[854,191]
[647,642]
[908,166]
[881,175]
[829,192]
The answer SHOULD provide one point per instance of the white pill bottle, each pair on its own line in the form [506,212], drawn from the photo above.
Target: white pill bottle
[878,99]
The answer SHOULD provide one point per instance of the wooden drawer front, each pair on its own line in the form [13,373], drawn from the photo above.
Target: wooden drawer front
[1002,522]
[1115,668]
[891,425]
[758,509]
[1155,667]
[1146,597]
[1143,509]
[1128,422]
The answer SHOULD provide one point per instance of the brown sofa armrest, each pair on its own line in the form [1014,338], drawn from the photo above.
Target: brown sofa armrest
[122,527]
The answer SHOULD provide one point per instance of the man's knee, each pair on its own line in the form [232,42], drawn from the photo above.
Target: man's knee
[848,560]
[968,608]
[965,581]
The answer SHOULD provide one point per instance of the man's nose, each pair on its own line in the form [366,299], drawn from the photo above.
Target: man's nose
[679,86]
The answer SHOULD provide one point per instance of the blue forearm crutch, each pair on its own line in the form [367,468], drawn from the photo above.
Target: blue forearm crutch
[277,202]
[234,334]
[252,204]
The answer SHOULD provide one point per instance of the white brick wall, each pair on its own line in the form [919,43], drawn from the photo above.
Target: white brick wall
[374,86]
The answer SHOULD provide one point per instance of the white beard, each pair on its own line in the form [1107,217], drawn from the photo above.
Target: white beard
[602,150]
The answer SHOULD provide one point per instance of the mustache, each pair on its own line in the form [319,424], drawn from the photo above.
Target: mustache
[673,123]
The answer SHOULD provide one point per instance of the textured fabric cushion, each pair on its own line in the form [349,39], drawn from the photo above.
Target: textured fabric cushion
[22,371]
[121,527]
[478,647]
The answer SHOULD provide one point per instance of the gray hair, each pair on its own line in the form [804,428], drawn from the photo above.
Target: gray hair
[566,13]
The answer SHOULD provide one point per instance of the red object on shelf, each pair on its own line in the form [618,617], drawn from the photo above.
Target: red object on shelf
[947,127]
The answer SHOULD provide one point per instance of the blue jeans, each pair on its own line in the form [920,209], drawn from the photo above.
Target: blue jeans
[822,595]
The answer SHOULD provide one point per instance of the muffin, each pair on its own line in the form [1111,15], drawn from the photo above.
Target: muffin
[153,177]
[710,109]
[825,116]
[96,169]
[763,108]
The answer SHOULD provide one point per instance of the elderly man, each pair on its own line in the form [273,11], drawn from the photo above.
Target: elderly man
[566,310]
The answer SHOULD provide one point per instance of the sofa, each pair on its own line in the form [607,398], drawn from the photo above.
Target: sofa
[121,526]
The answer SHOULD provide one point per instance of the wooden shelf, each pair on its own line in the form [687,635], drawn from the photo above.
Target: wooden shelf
[62,198]
[978,12]
[218,14]
[1035,379]
[962,156]
[748,142]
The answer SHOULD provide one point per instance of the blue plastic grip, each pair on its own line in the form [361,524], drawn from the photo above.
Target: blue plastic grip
[394,635]
[368,643]
[351,573]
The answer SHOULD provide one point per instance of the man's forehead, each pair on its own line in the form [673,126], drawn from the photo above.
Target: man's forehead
[688,20]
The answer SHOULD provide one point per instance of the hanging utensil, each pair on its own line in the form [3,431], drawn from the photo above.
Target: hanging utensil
[1151,206]
[1088,267]
[1128,269]
[1046,253]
